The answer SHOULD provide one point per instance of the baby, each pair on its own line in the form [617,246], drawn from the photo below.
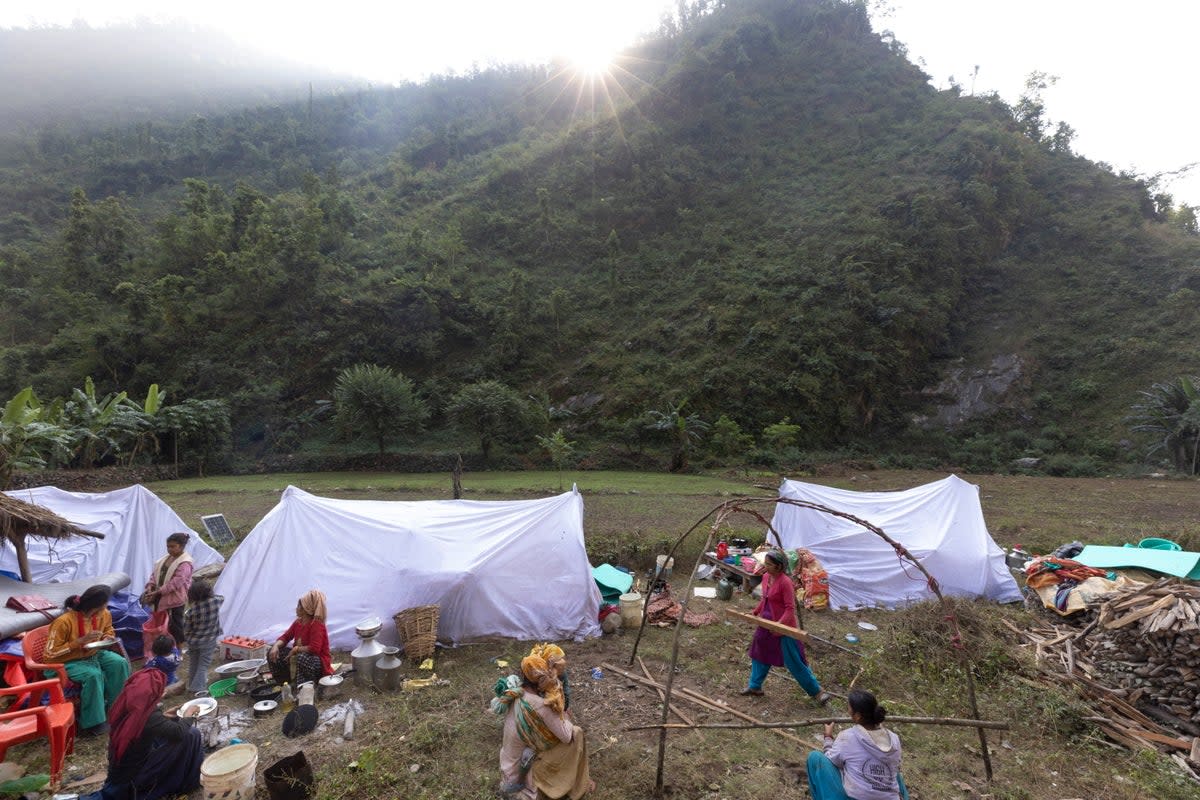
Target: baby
[165,658]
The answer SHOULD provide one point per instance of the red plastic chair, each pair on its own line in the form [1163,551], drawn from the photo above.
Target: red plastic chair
[54,722]
[34,648]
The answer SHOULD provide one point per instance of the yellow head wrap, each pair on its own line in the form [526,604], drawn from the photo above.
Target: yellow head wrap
[553,655]
[538,672]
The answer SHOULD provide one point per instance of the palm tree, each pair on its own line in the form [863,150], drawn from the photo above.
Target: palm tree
[1171,412]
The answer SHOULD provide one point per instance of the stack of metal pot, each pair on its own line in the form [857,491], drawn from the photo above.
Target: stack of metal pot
[368,652]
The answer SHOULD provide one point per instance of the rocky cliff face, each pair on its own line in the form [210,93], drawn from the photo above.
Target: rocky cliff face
[965,394]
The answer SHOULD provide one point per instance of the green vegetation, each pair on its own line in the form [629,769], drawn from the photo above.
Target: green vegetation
[771,214]
[377,403]
[88,431]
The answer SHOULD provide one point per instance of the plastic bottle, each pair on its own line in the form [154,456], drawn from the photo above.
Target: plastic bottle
[722,550]
[287,701]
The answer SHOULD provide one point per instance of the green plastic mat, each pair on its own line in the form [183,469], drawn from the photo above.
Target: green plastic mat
[612,582]
[1181,564]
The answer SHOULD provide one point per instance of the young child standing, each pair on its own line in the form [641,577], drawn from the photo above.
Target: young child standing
[165,658]
[202,627]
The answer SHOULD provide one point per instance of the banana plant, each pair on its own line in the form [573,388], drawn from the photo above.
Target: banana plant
[103,427]
[27,441]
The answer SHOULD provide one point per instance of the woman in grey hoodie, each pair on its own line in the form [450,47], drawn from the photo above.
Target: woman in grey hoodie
[863,762]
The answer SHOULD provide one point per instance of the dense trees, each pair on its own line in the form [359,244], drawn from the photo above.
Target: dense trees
[776,217]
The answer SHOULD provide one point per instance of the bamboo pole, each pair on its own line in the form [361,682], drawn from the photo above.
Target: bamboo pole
[804,723]
[662,695]
[741,505]
[22,558]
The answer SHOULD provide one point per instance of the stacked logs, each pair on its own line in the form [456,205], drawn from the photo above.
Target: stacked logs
[1148,642]
[1151,629]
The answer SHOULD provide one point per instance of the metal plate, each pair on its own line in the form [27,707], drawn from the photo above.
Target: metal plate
[240,666]
[96,645]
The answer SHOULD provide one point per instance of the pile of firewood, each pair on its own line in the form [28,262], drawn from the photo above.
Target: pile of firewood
[1135,664]
[1148,641]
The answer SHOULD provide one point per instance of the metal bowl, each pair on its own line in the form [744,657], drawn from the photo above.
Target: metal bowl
[207,705]
[371,626]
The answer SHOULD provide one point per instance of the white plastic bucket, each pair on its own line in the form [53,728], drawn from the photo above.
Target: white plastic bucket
[228,774]
[631,610]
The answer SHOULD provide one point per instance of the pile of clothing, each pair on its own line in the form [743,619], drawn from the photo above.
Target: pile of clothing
[1065,585]
[664,610]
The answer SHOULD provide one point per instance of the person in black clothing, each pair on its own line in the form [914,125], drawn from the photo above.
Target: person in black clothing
[150,755]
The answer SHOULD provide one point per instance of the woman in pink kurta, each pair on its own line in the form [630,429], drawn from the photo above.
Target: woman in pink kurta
[768,649]
[169,582]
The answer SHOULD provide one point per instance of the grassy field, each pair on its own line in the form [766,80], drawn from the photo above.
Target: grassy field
[441,743]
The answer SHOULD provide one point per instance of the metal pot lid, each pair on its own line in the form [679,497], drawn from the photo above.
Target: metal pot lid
[369,626]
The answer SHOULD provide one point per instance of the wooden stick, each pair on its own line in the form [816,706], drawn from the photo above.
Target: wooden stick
[751,719]
[662,695]
[769,624]
[960,723]
[711,706]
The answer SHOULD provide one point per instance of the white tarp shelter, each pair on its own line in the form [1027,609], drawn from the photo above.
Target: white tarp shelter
[495,568]
[940,523]
[135,523]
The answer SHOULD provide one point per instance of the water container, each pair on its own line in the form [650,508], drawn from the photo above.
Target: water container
[228,774]
[1159,544]
[387,670]
[631,610]
[724,589]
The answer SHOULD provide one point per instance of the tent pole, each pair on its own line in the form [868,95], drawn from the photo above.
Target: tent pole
[22,557]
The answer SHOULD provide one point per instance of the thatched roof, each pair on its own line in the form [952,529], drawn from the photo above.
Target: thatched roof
[19,519]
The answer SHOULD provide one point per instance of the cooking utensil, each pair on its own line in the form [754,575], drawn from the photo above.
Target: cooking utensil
[265,693]
[207,705]
[264,708]
[96,645]
[240,666]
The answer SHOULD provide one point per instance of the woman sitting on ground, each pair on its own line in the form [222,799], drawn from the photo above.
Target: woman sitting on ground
[543,753]
[149,755]
[309,644]
[100,673]
[863,763]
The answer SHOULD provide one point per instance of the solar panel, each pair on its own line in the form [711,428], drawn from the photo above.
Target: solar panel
[218,529]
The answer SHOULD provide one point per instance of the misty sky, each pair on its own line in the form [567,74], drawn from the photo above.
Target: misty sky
[1125,71]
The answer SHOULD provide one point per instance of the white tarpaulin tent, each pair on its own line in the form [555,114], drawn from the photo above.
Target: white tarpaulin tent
[514,568]
[135,523]
[940,523]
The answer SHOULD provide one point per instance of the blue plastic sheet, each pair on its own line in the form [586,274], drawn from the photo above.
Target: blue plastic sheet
[128,615]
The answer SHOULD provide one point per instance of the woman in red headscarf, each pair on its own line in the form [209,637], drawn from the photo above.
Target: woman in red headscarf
[149,755]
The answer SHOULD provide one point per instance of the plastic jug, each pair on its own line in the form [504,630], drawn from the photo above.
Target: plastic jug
[722,550]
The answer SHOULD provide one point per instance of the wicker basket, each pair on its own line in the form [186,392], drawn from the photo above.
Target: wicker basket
[418,631]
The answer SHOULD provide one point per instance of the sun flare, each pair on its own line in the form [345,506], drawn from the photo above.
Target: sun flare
[592,60]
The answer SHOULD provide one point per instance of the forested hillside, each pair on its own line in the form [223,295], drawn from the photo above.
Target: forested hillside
[766,213]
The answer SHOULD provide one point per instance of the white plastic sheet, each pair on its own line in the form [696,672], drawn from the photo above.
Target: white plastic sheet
[135,523]
[940,523]
[517,569]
